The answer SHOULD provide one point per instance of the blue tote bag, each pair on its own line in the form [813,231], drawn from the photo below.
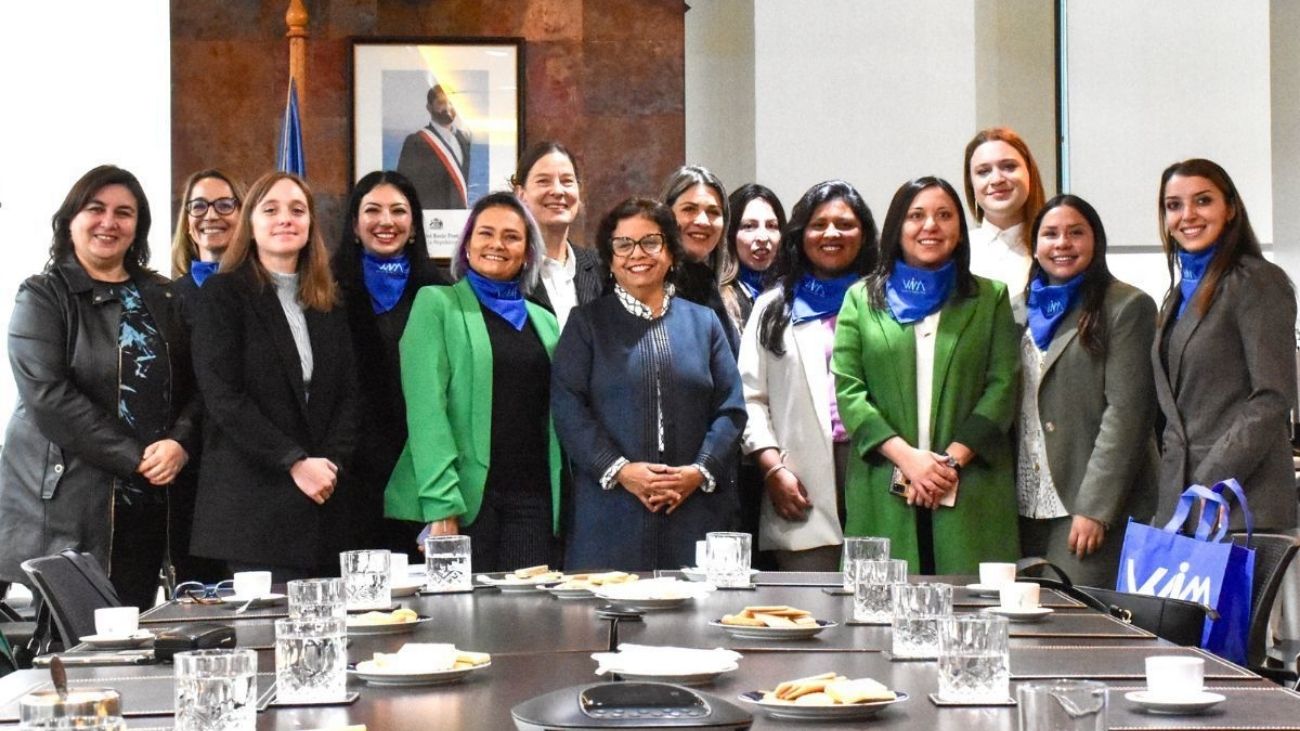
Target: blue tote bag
[1201,567]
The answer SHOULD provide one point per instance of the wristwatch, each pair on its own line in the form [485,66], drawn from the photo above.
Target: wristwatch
[951,461]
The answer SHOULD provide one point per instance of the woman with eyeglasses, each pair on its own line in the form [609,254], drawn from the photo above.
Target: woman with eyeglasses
[481,458]
[647,404]
[105,417]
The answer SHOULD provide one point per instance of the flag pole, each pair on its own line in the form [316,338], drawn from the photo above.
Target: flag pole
[296,19]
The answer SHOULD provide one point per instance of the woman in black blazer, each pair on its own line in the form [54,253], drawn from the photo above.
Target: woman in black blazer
[273,358]
[1224,356]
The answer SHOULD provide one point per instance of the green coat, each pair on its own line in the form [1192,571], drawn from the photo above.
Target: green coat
[447,379]
[974,394]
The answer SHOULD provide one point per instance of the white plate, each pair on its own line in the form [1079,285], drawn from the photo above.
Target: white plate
[266,600]
[370,630]
[695,573]
[1021,615]
[510,583]
[139,638]
[365,672]
[820,713]
[773,633]
[559,593]
[984,590]
[1198,702]
[406,589]
[697,677]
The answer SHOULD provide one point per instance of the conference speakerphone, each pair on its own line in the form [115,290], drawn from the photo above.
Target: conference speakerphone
[628,705]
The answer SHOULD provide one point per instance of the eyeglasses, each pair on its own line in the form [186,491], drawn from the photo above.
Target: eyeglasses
[200,593]
[651,244]
[198,207]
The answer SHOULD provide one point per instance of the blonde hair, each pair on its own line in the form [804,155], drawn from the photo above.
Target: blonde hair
[184,248]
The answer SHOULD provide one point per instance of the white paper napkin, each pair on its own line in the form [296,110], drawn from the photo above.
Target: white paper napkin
[662,588]
[655,660]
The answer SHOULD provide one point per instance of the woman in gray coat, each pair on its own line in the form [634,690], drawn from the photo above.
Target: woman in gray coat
[1087,456]
[1224,353]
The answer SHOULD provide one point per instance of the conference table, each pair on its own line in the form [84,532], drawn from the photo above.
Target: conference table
[541,644]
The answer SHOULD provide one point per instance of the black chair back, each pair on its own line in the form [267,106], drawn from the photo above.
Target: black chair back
[73,586]
[1273,556]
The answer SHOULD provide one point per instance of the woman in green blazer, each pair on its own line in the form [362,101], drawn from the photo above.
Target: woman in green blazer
[922,335]
[1087,456]
[482,458]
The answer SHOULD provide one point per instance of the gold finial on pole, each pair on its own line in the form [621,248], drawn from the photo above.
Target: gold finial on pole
[296,18]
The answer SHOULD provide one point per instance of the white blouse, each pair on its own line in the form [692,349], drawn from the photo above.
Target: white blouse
[1035,491]
[1000,255]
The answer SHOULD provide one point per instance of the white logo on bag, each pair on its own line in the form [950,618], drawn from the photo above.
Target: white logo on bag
[1179,586]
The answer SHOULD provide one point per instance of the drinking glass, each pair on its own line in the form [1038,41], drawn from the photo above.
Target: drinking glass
[1062,705]
[974,666]
[447,564]
[728,559]
[80,708]
[316,599]
[311,660]
[917,611]
[367,583]
[859,547]
[216,690]
[75,723]
[873,601]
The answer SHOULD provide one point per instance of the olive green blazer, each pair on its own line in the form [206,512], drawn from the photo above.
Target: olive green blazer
[976,367]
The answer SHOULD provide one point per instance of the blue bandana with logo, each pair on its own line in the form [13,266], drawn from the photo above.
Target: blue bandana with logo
[1193,266]
[503,298]
[914,294]
[201,270]
[751,280]
[385,279]
[818,299]
[1047,305]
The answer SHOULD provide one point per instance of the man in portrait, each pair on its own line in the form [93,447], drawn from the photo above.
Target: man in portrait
[436,158]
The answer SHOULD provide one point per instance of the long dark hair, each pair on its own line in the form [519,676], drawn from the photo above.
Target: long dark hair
[792,261]
[347,257]
[1237,240]
[891,239]
[739,200]
[81,193]
[1096,278]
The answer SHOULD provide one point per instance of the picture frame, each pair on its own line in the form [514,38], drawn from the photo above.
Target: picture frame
[448,113]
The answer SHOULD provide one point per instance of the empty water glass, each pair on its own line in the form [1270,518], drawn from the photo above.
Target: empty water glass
[1062,705]
[873,599]
[917,611]
[859,547]
[316,599]
[216,690]
[99,709]
[367,583]
[728,559]
[974,666]
[447,563]
[311,660]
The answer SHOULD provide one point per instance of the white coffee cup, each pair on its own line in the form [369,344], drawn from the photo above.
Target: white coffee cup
[117,621]
[997,574]
[399,567]
[1019,596]
[251,584]
[1175,676]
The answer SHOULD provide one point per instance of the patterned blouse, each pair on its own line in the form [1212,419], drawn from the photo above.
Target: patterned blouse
[144,385]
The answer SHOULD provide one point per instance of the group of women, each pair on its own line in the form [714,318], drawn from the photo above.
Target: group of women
[973,395]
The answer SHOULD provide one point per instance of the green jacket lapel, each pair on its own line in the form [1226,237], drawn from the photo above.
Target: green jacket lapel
[480,377]
[957,314]
[899,341]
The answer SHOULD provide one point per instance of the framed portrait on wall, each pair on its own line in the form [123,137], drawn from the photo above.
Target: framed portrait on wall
[446,113]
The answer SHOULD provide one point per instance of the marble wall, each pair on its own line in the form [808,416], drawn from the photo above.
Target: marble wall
[605,77]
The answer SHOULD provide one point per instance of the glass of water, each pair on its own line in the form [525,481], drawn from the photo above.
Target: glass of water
[216,690]
[1062,705]
[311,660]
[367,582]
[974,666]
[859,547]
[728,559]
[873,591]
[447,564]
[316,599]
[917,611]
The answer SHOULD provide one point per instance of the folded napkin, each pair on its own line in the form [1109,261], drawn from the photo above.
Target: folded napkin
[662,588]
[652,660]
[418,657]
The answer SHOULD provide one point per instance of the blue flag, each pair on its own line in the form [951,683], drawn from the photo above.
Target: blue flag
[290,158]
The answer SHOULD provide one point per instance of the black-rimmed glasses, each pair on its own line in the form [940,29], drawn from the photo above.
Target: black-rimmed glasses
[651,244]
[198,207]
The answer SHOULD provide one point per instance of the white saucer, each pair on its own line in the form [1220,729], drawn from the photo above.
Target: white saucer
[397,628]
[366,671]
[568,593]
[686,677]
[409,588]
[1191,703]
[985,590]
[745,632]
[1021,615]
[119,642]
[819,713]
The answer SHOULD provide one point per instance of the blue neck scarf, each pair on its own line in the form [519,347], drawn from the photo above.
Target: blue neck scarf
[201,270]
[818,299]
[385,279]
[1193,267]
[914,294]
[751,280]
[1047,305]
[503,298]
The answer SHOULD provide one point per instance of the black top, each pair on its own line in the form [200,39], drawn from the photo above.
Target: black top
[696,283]
[521,402]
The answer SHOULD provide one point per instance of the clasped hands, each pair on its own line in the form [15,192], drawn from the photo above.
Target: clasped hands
[162,461]
[930,476]
[659,486]
[316,477]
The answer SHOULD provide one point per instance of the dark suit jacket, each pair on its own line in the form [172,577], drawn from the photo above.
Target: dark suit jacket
[1227,393]
[588,279]
[260,421]
[430,176]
